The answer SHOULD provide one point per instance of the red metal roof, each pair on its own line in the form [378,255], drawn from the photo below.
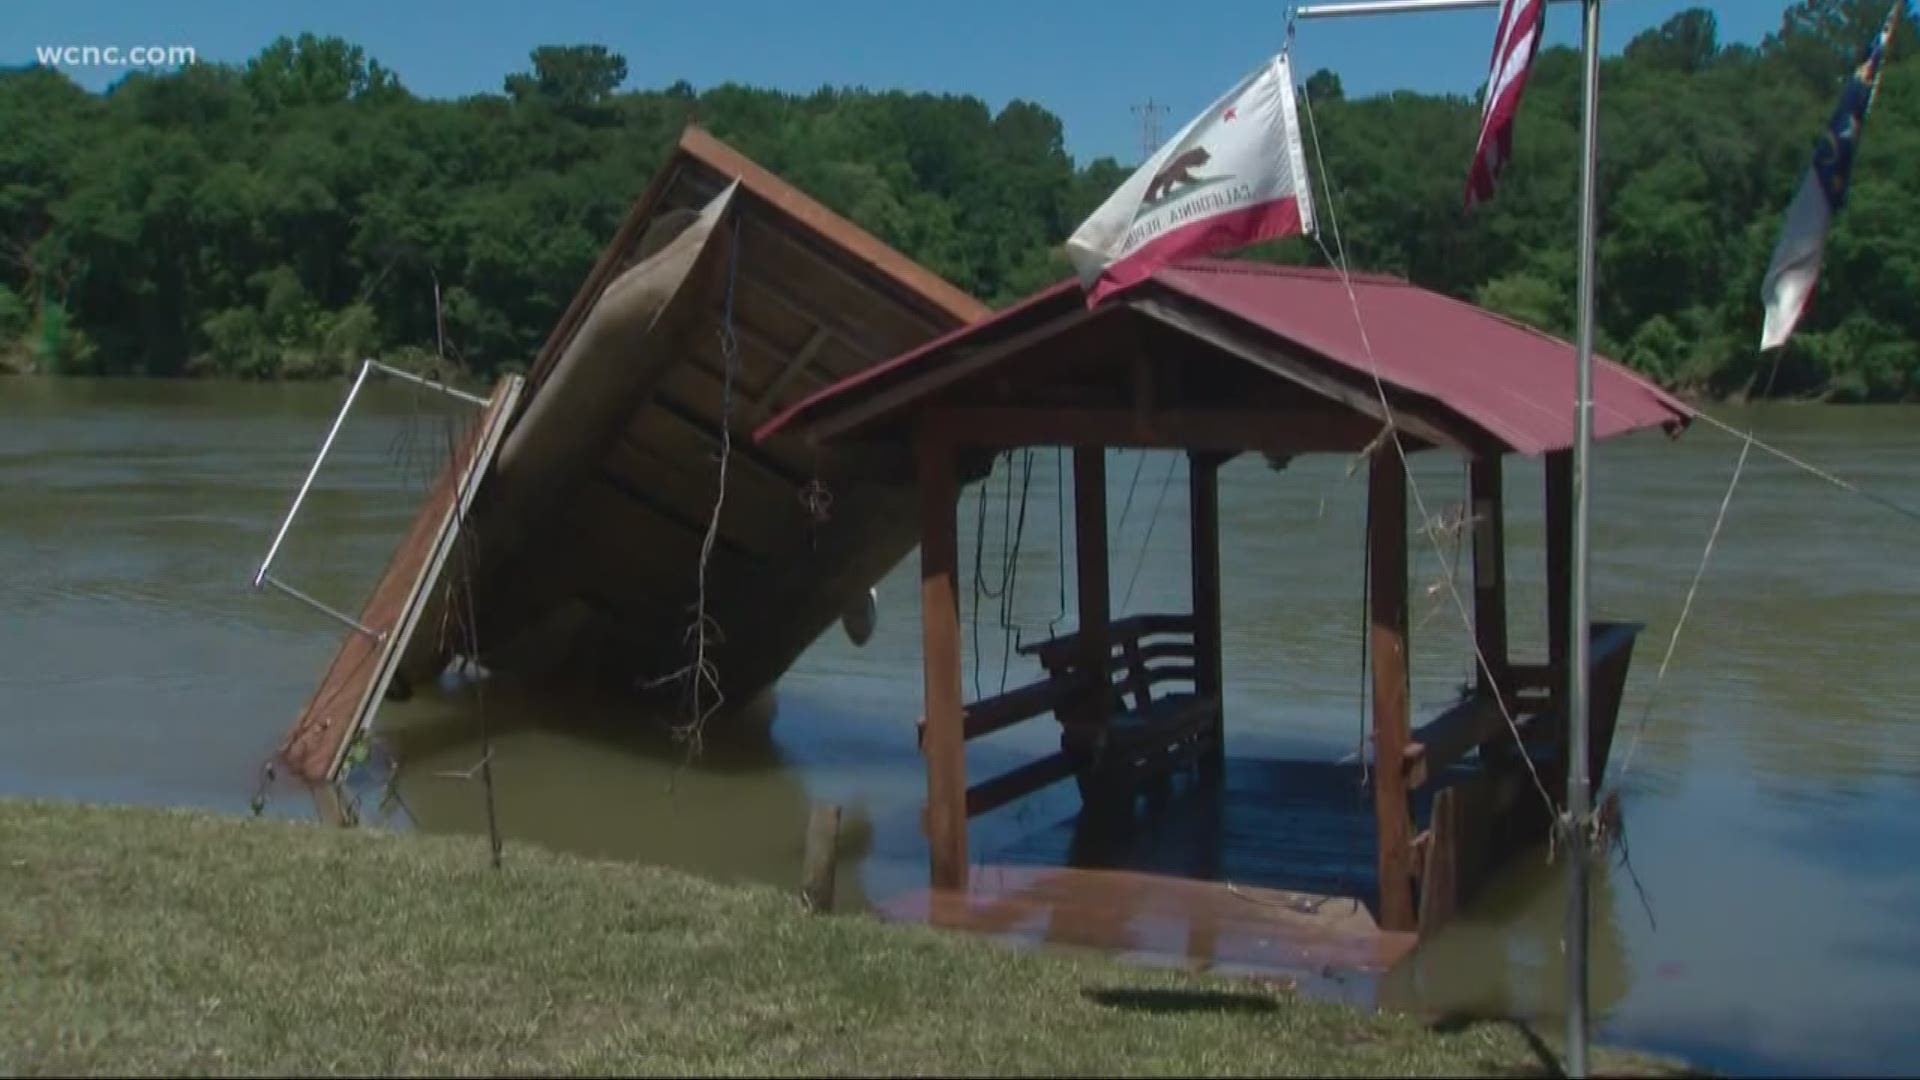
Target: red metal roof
[1512,381]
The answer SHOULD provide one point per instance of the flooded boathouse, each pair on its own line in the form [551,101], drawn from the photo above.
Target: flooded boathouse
[1218,358]
[736,332]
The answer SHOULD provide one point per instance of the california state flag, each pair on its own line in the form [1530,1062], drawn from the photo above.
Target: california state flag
[1235,175]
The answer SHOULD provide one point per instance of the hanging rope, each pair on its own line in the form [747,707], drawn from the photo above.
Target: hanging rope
[1686,608]
[1810,468]
[1147,542]
[1392,434]
[702,677]
[1059,536]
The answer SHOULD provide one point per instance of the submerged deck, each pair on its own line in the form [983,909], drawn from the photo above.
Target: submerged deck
[1270,873]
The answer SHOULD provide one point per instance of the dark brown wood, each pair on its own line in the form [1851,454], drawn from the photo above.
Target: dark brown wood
[1446,738]
[933,295]
[1257,347]
[989,795]
[769,398]
[819,858]
[1293,431]
[1488,510]
[409,591]
[988,715]
[1203,503]
[1061,651]
[944,741]
[1090,563]
[1387,589]
[947,374]
[1456,851]
[1559,528]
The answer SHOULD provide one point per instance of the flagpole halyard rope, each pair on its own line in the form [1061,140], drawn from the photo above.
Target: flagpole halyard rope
[1392,432]
[1673,640]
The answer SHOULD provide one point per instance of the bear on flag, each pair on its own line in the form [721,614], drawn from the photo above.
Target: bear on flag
[1235,175]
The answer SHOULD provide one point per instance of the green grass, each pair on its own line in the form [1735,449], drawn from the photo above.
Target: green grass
[147,941]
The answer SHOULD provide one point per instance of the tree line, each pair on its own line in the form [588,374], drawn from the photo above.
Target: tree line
[284,217]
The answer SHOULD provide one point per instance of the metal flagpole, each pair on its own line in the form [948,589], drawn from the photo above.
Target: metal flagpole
[1577,792]
[1577,796]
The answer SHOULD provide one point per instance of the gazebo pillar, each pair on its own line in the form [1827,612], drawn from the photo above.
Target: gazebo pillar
[1487,505]
[1387,649]
[942,739]
[1203,501]
[1489,514]
[1090,566]
[1559,530]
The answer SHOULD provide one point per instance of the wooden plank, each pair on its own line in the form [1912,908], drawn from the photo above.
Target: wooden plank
[819,857]
[1487,495]
[1203,507]
[1143,625]
[989,795]
[988,715]
[760,526]
[930,293]
[945,741]
[1387,589]
[1294,431]
[1446,738]
[355,682]
[928,379]
[1090,564]
[1458,854]
[1559,527]
[769,398]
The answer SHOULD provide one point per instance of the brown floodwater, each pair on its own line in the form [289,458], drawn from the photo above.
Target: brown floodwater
[1772,800]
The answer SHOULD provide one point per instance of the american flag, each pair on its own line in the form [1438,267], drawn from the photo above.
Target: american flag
[1514,47]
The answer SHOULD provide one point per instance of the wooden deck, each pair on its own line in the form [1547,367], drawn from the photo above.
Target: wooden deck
[1271,873]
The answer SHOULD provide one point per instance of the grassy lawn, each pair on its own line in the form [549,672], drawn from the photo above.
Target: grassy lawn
[147,941]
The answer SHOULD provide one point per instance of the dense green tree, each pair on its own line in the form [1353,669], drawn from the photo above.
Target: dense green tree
[283,217]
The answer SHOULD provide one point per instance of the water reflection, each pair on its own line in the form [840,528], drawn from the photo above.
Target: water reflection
[1771,804]
[597,778]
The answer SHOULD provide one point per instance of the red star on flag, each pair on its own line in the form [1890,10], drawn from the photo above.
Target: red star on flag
[1231,113]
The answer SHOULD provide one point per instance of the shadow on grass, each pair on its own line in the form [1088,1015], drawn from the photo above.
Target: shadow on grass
[1181,1001]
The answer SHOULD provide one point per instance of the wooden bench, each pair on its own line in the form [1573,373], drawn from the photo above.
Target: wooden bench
[1147,730]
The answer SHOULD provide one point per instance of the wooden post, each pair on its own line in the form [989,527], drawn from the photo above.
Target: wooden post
[943,742]
[1559,528]
[1387,588]
[1489,571]
[1203,498]
[819,856]
[1090,565]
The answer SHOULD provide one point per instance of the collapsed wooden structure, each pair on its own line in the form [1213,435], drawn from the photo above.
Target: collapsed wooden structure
[1214,359]
[583,503]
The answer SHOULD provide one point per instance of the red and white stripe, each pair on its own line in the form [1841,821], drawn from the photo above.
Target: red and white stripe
[1514,47]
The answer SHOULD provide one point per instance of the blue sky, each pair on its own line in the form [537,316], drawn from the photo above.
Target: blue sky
[1086,60]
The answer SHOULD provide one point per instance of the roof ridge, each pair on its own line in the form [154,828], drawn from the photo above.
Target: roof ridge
[1216,265]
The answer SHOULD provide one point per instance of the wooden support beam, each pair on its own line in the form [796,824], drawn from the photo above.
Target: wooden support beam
[942,740]
[1090,565]
[1559,528]
[1387,603]
[1297,431]
[1203,503]
[1488,508]
[1260,348]
[947,374]
[770,397]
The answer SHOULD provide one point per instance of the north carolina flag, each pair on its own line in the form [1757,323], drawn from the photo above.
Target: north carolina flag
[1515,44]
[1235,175]
[1788,288]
